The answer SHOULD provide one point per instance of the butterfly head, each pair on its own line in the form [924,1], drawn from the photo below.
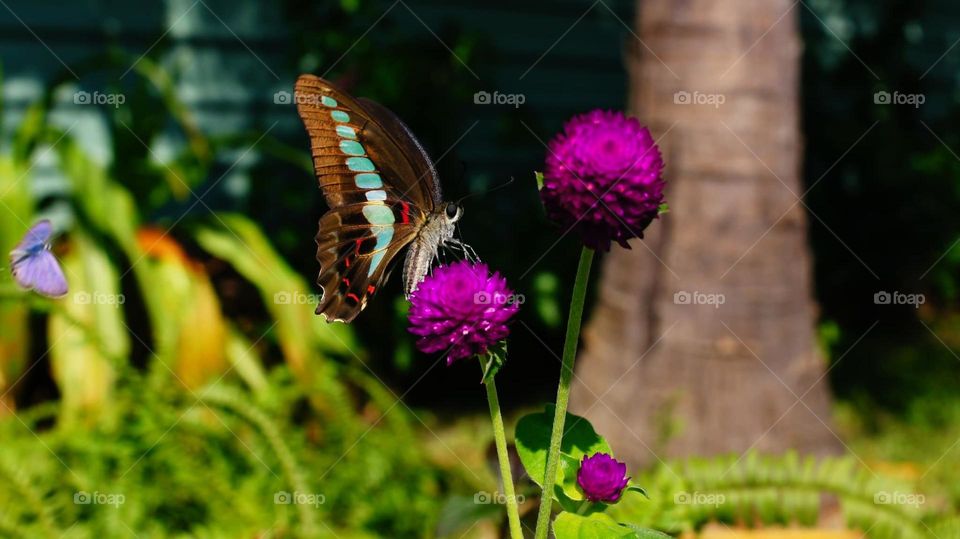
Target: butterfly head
[453,212]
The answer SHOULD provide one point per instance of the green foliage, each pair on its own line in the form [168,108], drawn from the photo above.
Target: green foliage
[595,526]
[533,440]
[774,490]
[580,518]
[493,360]
[87,333]
[892,441]
[751,490]
[599,526]
[210,465]
[185,408]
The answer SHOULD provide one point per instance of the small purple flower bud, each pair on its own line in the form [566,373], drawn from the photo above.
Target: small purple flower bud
[602,478]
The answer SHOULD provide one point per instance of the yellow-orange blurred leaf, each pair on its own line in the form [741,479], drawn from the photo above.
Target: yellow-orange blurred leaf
[189,328]
[201,356]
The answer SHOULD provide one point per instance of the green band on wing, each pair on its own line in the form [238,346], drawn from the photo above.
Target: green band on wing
[378,214]
[384,237]
[351,147]
[360,164]
[328,101]
[368,180]
[340,116]
[346,131]
[376,194]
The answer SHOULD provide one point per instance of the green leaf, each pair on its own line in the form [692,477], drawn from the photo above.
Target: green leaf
[88,332]
[460,513]
[567,479]
[350,6]
[533,440]
[14,315]
[239,241]
[539,176]
[646,533]
[595,526]
[638,488]
[663,208]
[240,353]
[495,357]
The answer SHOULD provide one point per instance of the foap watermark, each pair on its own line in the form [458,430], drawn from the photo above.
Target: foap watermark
[496,98]
[296,298]
[699,498]
[486,298]
[99,498]
[898,98]
[683,297]
[284,97]
[698,98]
[99,298]
[486,498]
[283,497]
[899,298]
[98,98]
[899,498]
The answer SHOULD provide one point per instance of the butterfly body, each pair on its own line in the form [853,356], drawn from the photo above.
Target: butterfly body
[33,265]
[19,255]
[383,192]
[436,232]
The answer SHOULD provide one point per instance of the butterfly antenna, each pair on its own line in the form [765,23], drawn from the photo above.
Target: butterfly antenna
[488,191]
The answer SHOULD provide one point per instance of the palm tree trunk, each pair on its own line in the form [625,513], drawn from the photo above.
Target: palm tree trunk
[669,370]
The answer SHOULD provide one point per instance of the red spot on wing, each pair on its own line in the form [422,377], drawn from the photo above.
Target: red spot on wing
[346,282]
[371,289]
[405,213]
[353,296]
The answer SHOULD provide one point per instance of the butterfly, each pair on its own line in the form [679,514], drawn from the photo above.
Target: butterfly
[33,265]
[383,192]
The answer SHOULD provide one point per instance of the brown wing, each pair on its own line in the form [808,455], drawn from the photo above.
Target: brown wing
[408,142]
[349,137]
[355,255]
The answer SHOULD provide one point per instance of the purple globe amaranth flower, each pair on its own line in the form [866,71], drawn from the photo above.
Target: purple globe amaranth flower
[603,176]
[461,309]
[602,478]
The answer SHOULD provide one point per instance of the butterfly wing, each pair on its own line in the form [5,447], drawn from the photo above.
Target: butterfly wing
[407,142]
[355,254]
[33,266]
[355,141]
[41,272]
[379,183]
[35,238]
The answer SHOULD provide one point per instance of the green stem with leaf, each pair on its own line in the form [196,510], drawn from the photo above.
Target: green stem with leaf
[500,440]
[563,391]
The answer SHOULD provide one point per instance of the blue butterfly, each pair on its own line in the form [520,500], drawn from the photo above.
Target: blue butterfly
[33,265]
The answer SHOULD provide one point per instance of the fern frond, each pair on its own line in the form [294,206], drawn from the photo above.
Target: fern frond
[758,490]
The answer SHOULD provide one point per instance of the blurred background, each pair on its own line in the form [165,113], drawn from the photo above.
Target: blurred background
[784,337]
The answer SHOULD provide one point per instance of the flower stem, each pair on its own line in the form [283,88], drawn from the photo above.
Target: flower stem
[499,436]
[563,392]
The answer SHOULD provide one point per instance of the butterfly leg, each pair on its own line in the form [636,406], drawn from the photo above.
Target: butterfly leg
[468,252]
